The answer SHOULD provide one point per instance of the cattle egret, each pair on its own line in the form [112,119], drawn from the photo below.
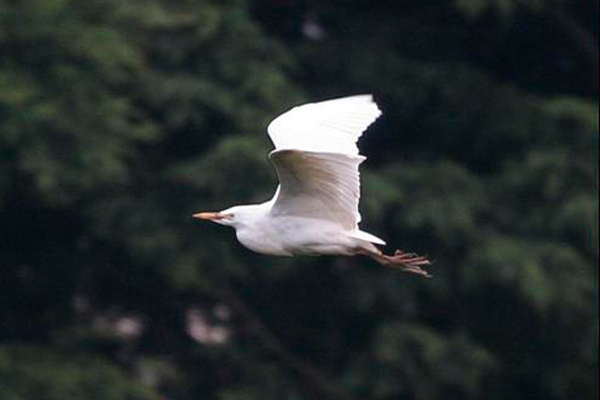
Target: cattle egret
[315,208]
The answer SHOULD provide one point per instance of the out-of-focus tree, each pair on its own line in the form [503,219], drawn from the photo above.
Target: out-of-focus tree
[31,372]
[103,106]
[494,119]
[118,119]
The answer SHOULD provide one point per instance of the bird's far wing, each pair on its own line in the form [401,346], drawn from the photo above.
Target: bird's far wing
[331,126]
[317,185]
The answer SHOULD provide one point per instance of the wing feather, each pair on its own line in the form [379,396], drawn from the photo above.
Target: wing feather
[332,126]
[317,185]
[317,160]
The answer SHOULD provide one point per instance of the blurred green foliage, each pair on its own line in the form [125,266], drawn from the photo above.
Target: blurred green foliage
[119,119]
[33,372]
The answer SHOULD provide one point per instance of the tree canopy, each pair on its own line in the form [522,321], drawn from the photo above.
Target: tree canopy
[119,119]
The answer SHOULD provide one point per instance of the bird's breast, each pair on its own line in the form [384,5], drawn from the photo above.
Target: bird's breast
[288,236]
[262,240]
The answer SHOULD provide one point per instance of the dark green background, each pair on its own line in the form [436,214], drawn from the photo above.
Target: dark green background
[119,119]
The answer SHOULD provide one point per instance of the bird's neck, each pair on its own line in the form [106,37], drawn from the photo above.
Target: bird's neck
[250,214]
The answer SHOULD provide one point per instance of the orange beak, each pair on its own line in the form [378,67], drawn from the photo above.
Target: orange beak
[211,216]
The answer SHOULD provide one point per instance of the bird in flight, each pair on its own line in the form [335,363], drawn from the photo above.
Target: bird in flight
[315,208]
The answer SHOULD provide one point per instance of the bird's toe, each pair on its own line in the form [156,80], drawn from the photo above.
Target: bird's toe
[410,262]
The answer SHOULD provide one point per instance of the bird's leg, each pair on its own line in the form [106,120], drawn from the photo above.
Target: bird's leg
[408,262]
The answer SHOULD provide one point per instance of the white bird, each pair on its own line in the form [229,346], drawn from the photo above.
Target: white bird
[315,208]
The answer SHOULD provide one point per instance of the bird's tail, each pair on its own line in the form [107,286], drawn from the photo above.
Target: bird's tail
[362,235]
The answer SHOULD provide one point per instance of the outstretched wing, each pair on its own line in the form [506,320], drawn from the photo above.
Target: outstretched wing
[317,185]
[316,159]
[331,126]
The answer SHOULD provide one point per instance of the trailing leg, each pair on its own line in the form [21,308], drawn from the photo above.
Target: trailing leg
[407,262]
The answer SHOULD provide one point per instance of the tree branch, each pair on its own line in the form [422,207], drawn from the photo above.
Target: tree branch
[585,41]
[317,385]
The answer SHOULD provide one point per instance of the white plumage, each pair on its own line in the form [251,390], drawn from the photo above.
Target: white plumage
[332,126]
[315,207]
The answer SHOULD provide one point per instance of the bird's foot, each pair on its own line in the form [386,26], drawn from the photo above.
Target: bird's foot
[409,262]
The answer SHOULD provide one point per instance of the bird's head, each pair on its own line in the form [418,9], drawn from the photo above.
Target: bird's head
[232,216]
